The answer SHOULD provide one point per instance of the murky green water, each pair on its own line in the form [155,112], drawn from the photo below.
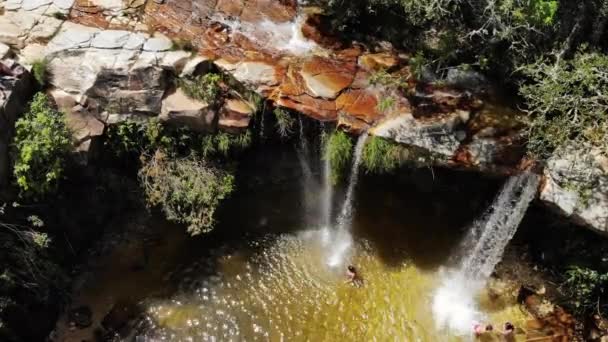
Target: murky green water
[262,276]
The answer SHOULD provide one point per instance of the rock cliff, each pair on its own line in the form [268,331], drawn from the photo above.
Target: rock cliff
[117,59]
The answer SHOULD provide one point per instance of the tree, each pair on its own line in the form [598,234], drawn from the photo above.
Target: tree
[188,190]
[568,103]
[41,146]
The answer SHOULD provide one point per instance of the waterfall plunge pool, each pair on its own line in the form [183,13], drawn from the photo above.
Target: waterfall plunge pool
[262,275]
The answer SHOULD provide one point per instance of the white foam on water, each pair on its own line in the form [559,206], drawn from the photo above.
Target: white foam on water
[454,305]
[285,36]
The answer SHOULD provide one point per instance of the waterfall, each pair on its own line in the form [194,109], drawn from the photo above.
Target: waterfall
[345,218]
[490,235]
[309,184]
[343,240]
[286,36]
[454,305]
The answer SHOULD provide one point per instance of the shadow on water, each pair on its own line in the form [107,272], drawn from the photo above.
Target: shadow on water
[415,215]
[420,215]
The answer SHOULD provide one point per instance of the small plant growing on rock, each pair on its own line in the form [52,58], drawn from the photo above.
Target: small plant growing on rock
[381,156]
[60,16]
[40,70]
[224,144]
[285,122]
[41,146]
[205,87]
[386,104]
[338,151]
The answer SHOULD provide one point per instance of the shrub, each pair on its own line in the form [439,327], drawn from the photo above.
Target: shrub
[566,103]
[40,70]
[60,16]
[338,151]
[380,155]
[133,137]
[205,87]
[187,190]
[285,122]
[586,288]
[223,144]
[41,146]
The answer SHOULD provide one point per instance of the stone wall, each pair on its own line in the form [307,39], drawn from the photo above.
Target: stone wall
[16,88]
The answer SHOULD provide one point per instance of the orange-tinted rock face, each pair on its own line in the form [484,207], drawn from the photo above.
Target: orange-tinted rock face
[296,63]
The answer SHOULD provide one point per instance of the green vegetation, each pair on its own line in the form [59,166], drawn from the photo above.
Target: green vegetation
[338,150]
[285,122]
[41,145]
[587,289]
[176,172]
[206,87]
[381,156]
[40,70]
[568,104]
[223,144]
[386,104]
[188,190]
[59,16]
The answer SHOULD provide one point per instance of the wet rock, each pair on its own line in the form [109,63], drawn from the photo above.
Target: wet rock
[81,317]
[180,110]
[576,186]
[325,77]
[467,79]
[119,317]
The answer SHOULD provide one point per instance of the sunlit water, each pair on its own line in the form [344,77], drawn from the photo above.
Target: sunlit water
[263,276]
[285,292]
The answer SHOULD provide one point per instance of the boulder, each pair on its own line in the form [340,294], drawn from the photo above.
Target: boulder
[467,79]
[326,77]
[235,116]
[576,186]
[180,110]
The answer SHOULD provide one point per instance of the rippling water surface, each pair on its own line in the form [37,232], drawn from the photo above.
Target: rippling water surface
[263,274]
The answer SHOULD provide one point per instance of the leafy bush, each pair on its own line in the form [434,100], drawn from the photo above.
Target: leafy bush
[587,289]
[206,87]
[285,122]
[42,143]
[40,70]
[380,155]
[567,103]
[187,190]
[224,144]
[338,150]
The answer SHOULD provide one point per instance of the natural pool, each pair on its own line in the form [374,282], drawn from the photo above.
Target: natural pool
[263,274]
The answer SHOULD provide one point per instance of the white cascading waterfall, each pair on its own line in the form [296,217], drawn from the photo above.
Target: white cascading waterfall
[309,183]
[342,236]
[454,305]
[285,36]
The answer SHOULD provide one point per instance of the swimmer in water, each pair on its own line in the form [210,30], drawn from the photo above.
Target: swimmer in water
[352,276]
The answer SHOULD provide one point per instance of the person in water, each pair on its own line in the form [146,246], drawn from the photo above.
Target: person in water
[509,332]
[479,329]
[353,276]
